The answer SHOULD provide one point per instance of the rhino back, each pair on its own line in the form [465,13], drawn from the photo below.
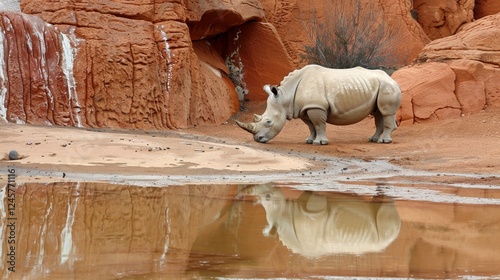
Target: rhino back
[348,95]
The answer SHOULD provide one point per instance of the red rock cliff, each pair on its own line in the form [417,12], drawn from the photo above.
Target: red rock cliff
[172,64]
[154,65]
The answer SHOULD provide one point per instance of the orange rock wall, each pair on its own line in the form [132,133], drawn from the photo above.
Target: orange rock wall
[172,64]
[484,8]
[455,75]
[33,86]
[443,17]
[288,16]
[136,67]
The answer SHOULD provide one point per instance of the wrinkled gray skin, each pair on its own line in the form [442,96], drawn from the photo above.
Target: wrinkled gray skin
[320,95]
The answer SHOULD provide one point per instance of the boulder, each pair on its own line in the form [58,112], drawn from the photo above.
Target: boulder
[455,75]
[479,40]
[474,55]
[428,93]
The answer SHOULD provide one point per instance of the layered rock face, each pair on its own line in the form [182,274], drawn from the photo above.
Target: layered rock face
[135,66]
[455,75]
[36,81]
[173,64]
[161,64]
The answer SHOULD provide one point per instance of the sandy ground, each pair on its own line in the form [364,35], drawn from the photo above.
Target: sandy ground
[469,144]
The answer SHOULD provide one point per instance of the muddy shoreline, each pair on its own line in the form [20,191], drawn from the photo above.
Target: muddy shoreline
[465,150]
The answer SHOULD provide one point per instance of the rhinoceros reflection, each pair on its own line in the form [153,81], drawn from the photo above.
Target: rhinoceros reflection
[315,225]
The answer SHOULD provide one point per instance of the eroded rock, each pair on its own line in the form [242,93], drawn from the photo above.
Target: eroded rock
[455,75]
[443,18]
[407,36]
[33,80]
[428,92]
[139,65]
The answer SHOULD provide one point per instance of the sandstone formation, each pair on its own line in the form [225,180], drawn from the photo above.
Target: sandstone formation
[484,8]
[443,18]
[289,17]
[173,64]
[35,85]
[455,75]
[153,65]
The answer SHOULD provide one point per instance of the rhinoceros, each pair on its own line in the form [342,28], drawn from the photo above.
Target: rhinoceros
[320,95]
[316,225]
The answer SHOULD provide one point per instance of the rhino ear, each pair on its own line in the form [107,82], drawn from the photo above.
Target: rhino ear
[271,90]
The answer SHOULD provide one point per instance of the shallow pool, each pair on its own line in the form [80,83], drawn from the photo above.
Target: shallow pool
[110,231]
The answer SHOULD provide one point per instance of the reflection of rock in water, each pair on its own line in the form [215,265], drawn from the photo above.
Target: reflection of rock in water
[106,231]
[316,225]
[66,230]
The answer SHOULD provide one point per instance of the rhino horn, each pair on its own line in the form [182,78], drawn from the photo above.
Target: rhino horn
[250,127]
[257,118]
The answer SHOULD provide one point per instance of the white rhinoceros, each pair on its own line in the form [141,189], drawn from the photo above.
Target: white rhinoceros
[320,95]
[315,225]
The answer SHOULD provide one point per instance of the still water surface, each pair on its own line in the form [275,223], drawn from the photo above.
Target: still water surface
[109,231]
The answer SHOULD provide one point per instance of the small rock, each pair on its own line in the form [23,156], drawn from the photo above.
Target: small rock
[13,155]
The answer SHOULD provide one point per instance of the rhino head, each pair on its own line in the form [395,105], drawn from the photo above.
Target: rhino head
[266,126]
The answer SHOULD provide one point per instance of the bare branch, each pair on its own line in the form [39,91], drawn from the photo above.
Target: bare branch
[351,34]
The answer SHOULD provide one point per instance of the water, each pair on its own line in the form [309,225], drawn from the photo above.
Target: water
[168,56]
[68,57]
[82,230]
[3,76]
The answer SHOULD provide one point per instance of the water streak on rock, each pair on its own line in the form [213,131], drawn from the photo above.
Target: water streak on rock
[3,77]
[168,57]
[41,61]
[69,53]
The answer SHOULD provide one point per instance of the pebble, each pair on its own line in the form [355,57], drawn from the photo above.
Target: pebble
[13,155]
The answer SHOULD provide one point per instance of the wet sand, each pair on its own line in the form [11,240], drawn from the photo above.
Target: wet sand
[467,145]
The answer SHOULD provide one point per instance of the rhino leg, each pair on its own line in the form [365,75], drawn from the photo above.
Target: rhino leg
[318,120]
[389,127]
[385,126]
[312,135]
[379,124]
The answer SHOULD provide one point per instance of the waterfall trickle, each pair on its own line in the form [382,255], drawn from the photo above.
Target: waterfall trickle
[41,61]
[68,54]
[168,57]
[3,77]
